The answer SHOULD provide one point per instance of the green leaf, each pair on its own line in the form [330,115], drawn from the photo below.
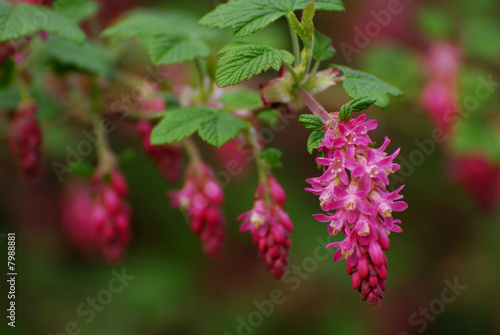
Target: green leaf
[169,49]
[272,156]
[221,128]
[304,29]
[296,25]
[359,84]
[76,9]
[323,49]
[355,105]
[89,57]
[172,37]
[213,126]
[271,117]
[307,20]
[314,140]
[241,99]
[147,23]
[243,62]
[179,123]
[328,5]
[246,17]
[390,61]
[311,122]
[25,20]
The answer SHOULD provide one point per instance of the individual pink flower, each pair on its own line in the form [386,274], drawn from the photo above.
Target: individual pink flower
[201,198]
[353,134]
[353,186]
[110,214]
[25,139]
[270,226]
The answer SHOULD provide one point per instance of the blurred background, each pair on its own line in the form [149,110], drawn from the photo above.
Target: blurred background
[445,56]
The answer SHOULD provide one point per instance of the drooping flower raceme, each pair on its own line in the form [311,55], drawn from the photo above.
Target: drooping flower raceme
[110,215]
[270,226]
[352,189]
[202,198]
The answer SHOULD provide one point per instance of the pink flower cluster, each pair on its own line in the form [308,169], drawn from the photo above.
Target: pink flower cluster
[202,198]
[168,158]
[25,139]
[353,189]
[110,215]
[270,226]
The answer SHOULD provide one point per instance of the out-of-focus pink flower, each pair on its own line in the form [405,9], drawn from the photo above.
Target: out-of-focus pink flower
[270,226]
[25,139]
[362,206]
[75,218]
[479,176]
[440,96]
[443,61]
[202,198]
[234,156]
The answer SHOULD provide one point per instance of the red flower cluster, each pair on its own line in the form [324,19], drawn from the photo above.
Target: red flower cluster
[201,198]
[110,216]
[270,226]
